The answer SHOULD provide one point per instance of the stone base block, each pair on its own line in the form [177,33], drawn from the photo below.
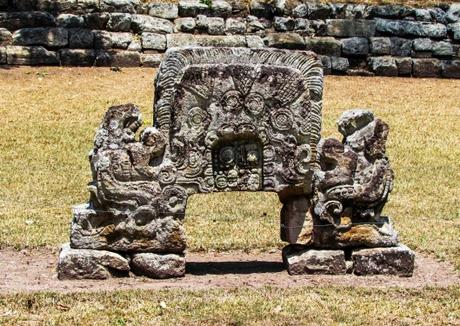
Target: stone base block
[397,260]
[140,231]
[90,264]
[158,265]
[309,261]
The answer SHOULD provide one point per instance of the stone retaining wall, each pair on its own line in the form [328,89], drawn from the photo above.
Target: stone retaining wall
[387,40]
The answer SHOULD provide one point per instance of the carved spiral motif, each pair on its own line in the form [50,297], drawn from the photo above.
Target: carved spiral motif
[255,103]
[333,209]
[246,128]
[282,119]
[303,158]
[194,164]
[269,168]
[231,101]
[221,182]
[174,199]
[263,136]
[211,138]
[254,182]
[269,153]
[194,159]
[227,155]
[304,128]
[209,182]
[196,117]
[167,175]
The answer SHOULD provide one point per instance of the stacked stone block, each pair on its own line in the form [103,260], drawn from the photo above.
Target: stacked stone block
[353,39]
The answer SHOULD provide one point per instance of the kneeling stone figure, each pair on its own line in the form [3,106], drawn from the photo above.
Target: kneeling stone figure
[236,119]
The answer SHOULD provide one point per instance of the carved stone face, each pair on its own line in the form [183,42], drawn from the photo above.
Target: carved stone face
[251,118]
[232,113]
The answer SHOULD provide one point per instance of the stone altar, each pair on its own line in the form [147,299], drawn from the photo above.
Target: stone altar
[235,119]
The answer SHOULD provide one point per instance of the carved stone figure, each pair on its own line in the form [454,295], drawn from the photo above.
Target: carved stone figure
[229,119]
[353,185]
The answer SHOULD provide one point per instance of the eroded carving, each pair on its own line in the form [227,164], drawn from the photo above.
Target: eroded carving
[353,185]
[225,119]
[234,119]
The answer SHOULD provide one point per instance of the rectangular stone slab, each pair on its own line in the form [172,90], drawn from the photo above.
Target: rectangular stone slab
[397,260]
[310,261]
[158,265]
[90,264]
[105,230]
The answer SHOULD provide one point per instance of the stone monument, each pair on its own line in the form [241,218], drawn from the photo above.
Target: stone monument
[235,119]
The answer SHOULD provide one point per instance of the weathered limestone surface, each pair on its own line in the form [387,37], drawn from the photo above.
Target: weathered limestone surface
[310,261]
[151,60]
[51,37]
[426,68]
[3,57]
[16,20]
[184,40]
[119,22]
[70,21]
[90,264]
[339,65]
[30,55]
[451,68]
[152,41]
[257,130]
[324,45]
[352,36]
[6,38]
[353,185]
[350,28]
[118,58]
[285,40]
[231,119]
[164,10]
[128,6]
[80,57]
[384,66]
[380,45]
[185,24]
[411,28]
[158,265]
[404,66]
[143,23]
[401,47]
[81,38]
[355,46]
[117,231]
[393,261]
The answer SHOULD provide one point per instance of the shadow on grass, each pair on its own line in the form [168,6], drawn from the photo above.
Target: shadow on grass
[7,67]
[246,267]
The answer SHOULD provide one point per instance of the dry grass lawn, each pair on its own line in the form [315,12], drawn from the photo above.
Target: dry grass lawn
[265,306]
[48,117]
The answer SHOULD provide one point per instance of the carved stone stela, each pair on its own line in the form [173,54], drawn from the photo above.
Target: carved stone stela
[235,119]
